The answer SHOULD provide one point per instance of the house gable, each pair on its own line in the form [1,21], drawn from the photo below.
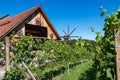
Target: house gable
[43,22]
[18,23]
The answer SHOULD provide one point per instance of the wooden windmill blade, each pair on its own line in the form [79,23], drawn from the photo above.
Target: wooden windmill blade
[68,29]
[72,31]
[64,32]
[74,36]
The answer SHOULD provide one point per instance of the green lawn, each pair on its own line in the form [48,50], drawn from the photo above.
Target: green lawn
[77,73]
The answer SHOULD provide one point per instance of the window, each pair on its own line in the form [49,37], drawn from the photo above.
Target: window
[35,30]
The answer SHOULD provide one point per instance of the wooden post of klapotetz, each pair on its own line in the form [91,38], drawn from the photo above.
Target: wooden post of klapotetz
[7,53]
[117,48]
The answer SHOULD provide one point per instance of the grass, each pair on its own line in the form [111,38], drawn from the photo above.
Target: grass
[77,73]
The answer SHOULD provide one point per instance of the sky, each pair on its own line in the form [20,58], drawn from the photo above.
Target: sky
[79,14]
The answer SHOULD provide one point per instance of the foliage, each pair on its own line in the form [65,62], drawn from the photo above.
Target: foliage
[57,55]
[2,49]
[45,59]
[105,57]
[22,52]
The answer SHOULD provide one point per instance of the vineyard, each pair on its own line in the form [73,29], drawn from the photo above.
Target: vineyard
[48,59]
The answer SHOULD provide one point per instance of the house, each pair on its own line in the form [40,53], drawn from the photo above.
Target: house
[31,22]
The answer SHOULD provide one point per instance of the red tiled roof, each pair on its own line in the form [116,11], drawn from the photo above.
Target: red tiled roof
[8,24]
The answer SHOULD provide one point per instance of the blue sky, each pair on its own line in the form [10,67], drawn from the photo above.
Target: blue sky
[79,14]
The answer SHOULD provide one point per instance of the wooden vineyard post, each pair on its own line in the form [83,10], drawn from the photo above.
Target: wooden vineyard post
[7,51]
[68,68]
[117,47]
[29,72]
